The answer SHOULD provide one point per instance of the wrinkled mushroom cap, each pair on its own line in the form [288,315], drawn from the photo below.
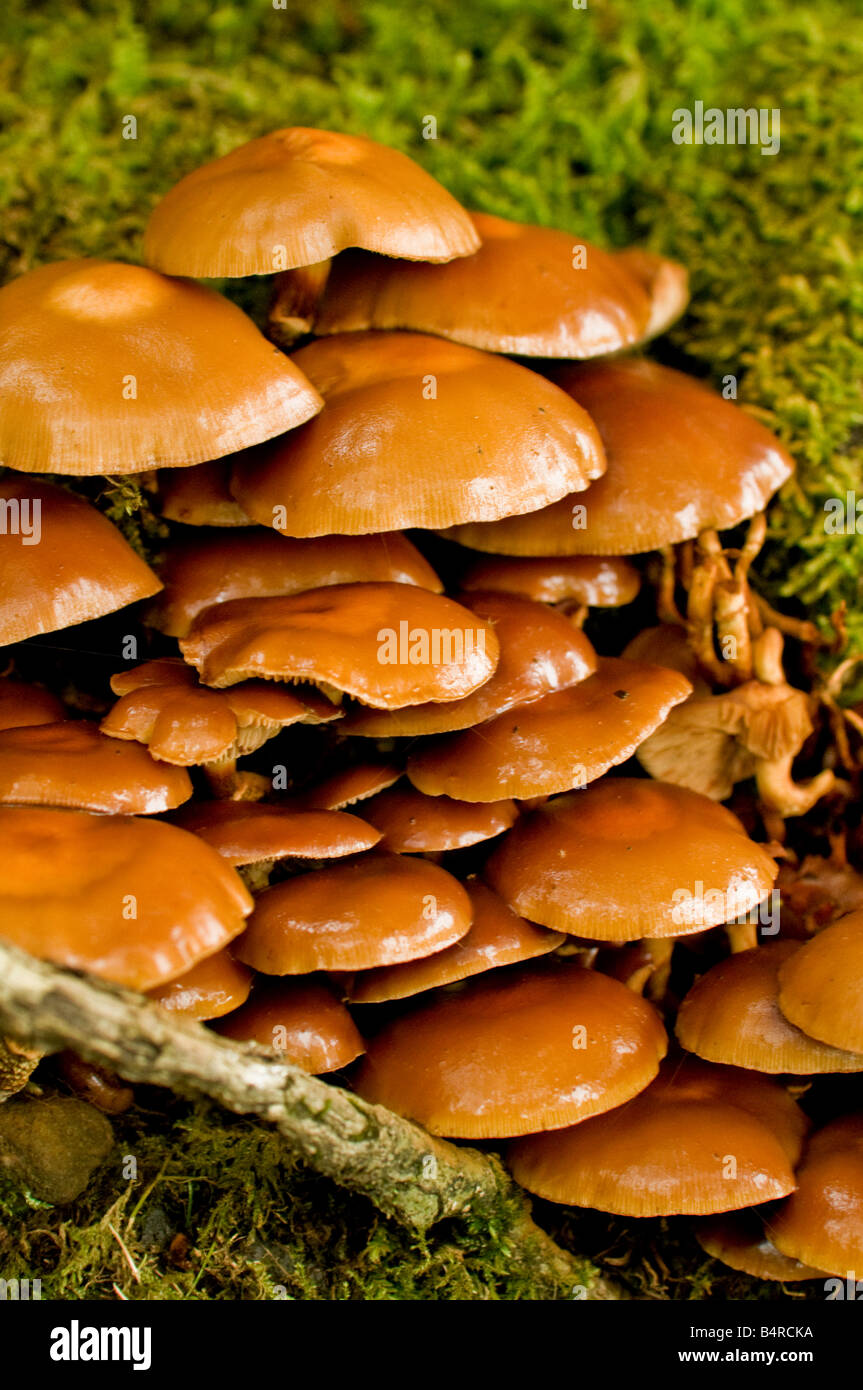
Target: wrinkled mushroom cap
[110,368]
[515,1053]
[135,901]
[412,823]
[23,705]
[821,985]
[739,1240]
[81,568]
[821,1224]
[252,833]
[299,1019]
[680,460]
[298,196]
[402,441]
[601,581]
[626,859]
[211,988]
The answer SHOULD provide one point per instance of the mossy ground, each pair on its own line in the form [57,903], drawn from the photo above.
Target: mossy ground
[544,112]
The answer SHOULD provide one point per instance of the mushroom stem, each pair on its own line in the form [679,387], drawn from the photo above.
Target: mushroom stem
[804,631]
[742,936]
[781,793]
[661,951]
[666,604]
[17,1064]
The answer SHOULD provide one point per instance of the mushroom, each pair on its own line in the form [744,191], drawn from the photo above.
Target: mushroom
[732,1015]
[296,197]
[413,823]
[403,442]
[700,1139]
[379,909]
[212,987]
[666,282]
[821,985]
[821,1224]
[627,859]
[681,460]
[497,937]
[23,705]
[555,743]
[72,764]
[519,1051]
[82,568]
[349,786]
[252,563]
[254,835]
[739,1239]
[200,495]
[595,581]
[302,1020]
[111,368]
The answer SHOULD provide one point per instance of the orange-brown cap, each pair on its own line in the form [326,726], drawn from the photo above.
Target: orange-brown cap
[665,282]
[540,652]
[554,743]
[251,563]
[379,909]
[732,1015]
[298,196]
[200,495]
[110,368]
[61,562]
[514,1053]
[626,859]
[601,581]
[739,1240]
[252,833]
[497,937]
[821,985]
[402,441]
[302,1020]
[412,823]
[821,1224]
[700,1140]
[135,901]
[211,988]
[22,705]
[349,786]
[388,645]
[532,291]
[73,764]
[680,460]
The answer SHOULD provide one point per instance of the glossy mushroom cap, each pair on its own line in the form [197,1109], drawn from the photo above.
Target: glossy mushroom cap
[540,652]
[110,368]
[680,460]
[530,291]
[412,823]
[349,786]
[380,909]
[388,645]
[732,1015]
[298,196]
[821,1224]
[665,282]
[626,859]
[200,495]
[403,442]
[252,833]
[497,937]
[81,567]
[135,901]
[739,1239]
[601,581]
[22,705]
[516,1053]
[555,743]
[213,987]
[821,985]
[700,1140]
[72,764]
[251,563]
[300,1019]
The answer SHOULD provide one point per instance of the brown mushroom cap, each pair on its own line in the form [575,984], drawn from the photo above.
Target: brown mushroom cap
[251,833]
[700,1140]
[349,786]
[110,368]
[378,910]
[251,563]
[135,901]
[602,581]
[540,652]
[821,1224]
[72,764]
[212,987]
[516,1053]
[821,985]
[522,292]
[23,705]
[388,645]
[680,460]
[81,568]
[497,937]
[403,443]
[298,196]
[412,823]
[301,1019]
[555,743]
[200,495]
[732,1015]
[666,283]
[740,1241]
[626,859]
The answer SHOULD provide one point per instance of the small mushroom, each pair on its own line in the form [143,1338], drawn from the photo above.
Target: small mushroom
[594,581]
[252,834]
[740,1240]
[821,985]
[200,495]
[211,988]
[349,786]
[412,823]
[821,1224]
[23,705]
[300,1019]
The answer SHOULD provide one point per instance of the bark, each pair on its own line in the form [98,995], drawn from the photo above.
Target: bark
[407,1173]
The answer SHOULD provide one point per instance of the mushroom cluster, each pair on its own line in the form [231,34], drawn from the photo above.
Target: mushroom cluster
[372,797]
